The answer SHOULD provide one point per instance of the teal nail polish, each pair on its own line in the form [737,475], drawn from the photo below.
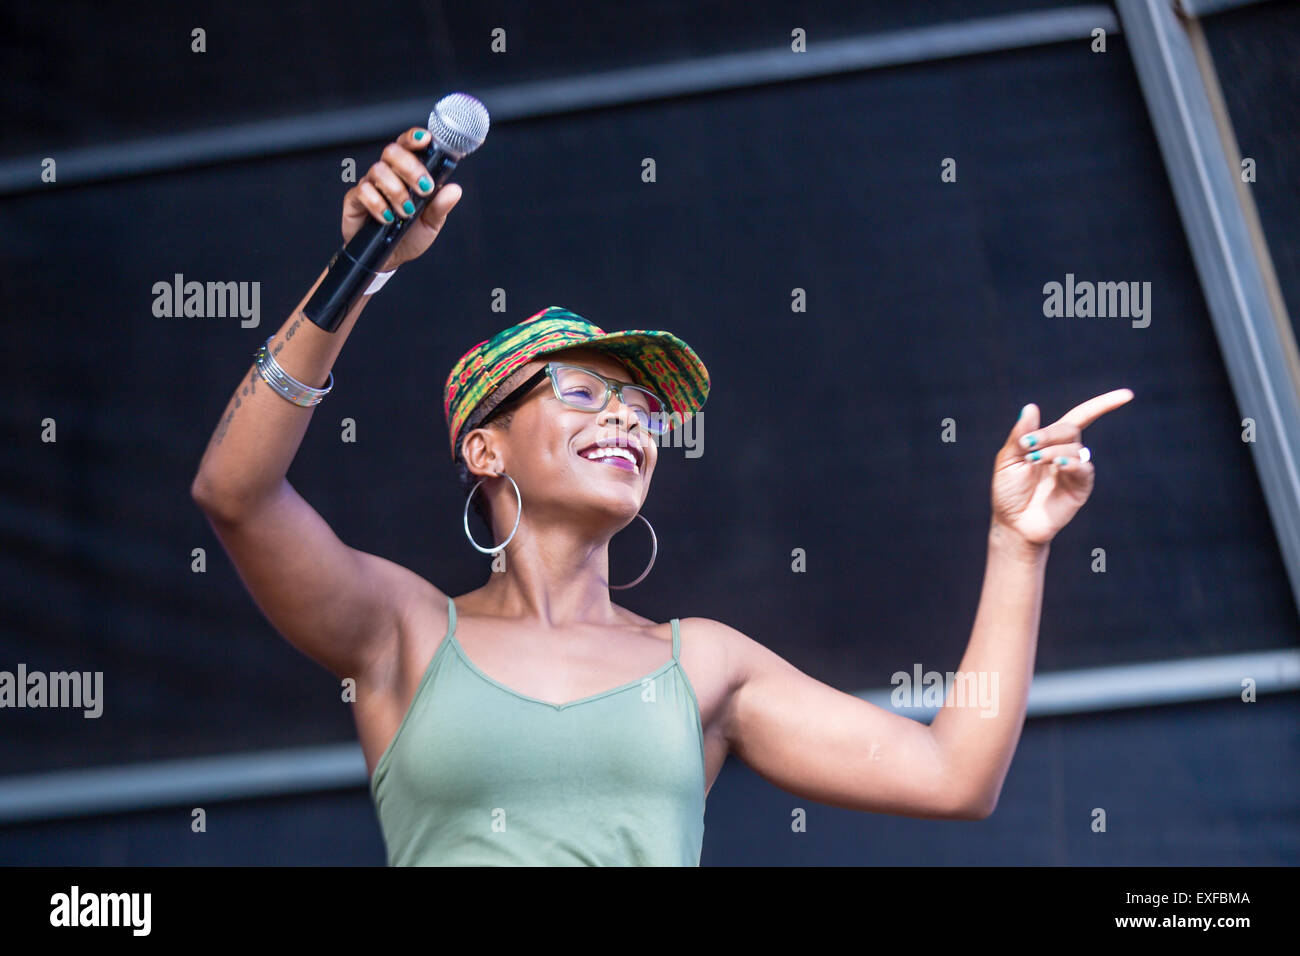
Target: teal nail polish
[1034,455]
[388,215]
[409,207]
[419,135]
[425,185]
[1062,461]
[1031,441]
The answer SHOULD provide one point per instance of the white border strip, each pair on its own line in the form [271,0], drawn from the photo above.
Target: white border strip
[204,781]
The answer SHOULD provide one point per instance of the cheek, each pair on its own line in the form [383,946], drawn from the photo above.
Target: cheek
[556,449]
[647,478]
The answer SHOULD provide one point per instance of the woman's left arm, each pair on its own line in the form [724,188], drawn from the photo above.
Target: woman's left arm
[816,741]
[1041,478]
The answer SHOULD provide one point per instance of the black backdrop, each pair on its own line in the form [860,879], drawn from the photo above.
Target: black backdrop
[822,431]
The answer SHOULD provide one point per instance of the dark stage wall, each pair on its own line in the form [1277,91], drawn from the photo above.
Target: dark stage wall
[822,432]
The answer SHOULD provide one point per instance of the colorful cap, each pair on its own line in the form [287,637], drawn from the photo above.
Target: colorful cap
[656,360]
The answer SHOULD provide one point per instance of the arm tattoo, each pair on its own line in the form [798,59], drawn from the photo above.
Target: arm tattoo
[226,419]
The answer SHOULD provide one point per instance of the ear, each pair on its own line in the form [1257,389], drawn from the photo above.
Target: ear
[481,458]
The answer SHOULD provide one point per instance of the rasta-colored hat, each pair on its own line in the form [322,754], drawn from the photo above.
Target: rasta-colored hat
[659,361]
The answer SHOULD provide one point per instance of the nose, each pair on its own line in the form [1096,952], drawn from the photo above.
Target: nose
[619,413]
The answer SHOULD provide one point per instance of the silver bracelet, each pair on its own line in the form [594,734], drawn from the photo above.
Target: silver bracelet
[284,383]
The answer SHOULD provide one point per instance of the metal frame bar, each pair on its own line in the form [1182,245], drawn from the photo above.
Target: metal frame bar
[249,776]
[1250,320]
[1199,8]
[527,100]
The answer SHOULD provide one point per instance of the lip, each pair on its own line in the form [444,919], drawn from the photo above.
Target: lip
[616,442]
[622,464]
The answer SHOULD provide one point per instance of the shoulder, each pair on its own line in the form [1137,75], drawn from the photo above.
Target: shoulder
[730,652]
[717,634]
[714,632]
[730,664]
[742,660]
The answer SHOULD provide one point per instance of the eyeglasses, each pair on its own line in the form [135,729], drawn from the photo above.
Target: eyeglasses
[584,389]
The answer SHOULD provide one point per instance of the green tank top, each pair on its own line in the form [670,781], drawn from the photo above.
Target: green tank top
[480,775]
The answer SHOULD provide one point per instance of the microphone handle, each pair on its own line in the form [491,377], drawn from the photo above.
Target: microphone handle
[356,264]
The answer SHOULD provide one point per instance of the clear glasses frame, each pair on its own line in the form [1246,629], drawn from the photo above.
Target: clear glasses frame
[654,422]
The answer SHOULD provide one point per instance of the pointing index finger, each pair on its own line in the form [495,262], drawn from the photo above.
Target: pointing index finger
[1088,412]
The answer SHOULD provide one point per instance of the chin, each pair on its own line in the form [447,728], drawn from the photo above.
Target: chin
[621,501]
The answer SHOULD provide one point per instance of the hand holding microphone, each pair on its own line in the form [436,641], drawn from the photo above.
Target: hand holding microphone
[399,207]
[383,195]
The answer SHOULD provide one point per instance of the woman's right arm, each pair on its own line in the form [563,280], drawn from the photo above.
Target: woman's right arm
[339,606]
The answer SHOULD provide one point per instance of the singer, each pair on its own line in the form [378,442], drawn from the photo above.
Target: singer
[533,721]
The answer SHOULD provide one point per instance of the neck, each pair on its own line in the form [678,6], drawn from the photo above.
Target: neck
[557,575]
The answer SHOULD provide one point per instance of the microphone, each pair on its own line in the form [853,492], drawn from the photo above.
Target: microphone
[459,124]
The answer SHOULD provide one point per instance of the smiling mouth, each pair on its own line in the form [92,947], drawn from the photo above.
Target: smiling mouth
[621,458]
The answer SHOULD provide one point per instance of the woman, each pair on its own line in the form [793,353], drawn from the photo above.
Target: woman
[532,720]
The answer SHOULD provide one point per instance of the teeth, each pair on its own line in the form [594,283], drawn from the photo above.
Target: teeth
[597,453]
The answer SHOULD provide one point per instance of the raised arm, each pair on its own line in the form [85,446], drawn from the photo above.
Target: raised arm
[338,605]
[826,745]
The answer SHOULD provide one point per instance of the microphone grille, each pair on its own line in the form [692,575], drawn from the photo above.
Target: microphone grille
[459,124]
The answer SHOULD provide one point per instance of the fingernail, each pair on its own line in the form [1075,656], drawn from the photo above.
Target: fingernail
[1029,441]
[425,185]
[1034,455]
[409,207]
[1062,461]
[388,215]
[419,135]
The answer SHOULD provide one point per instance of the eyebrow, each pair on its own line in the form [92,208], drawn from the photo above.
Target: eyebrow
[517,393]
[620,381]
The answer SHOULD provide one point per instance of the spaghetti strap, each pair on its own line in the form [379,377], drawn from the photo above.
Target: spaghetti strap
[677,638]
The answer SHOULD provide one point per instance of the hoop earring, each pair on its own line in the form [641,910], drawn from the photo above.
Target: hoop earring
[518,514]
[654,551]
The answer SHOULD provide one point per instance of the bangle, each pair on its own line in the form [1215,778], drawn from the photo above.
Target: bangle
[380,279]
[284,383]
